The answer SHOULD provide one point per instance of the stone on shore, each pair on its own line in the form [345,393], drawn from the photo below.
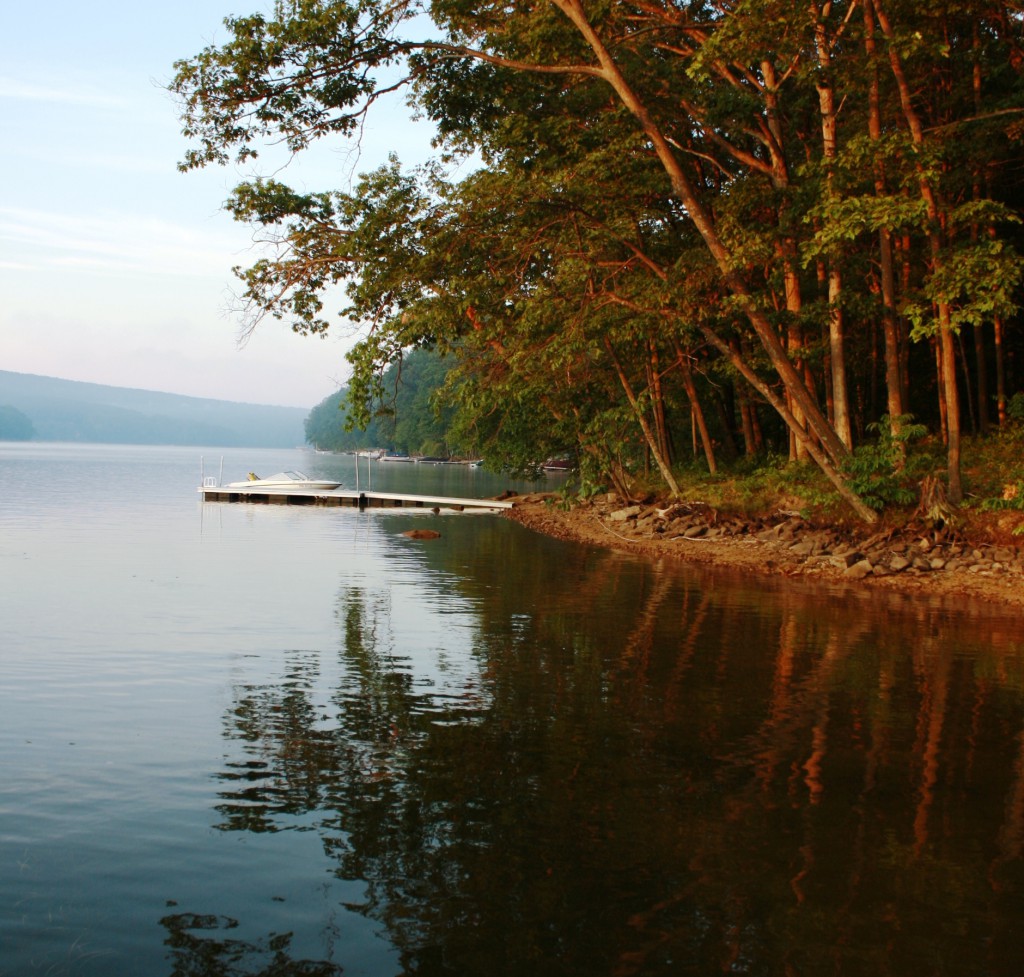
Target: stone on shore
[952,559]
[859,570]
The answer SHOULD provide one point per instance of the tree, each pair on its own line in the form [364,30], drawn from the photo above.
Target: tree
[630,151]
[408,417]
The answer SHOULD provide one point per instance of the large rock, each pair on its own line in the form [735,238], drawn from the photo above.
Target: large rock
[859,570]
[846,560]
[621,515]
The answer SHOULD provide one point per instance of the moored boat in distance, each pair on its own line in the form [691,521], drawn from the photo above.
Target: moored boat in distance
[557,465]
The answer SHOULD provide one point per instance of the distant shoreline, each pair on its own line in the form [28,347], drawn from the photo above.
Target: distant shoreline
[89,413]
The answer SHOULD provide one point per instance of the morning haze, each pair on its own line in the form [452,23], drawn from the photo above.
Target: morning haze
[69,410]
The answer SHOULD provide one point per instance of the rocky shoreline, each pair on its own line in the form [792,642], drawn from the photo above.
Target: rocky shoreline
[983,561]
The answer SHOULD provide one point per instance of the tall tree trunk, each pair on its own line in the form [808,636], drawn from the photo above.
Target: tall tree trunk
[1000,372]
[966,372]
[930,198]
[794,337]
[944,427]
[821,267]
[834,449]
[956,492]
[658,403]
[895,403]
[981,379]
[697,412]
[744,411]
[723,400]
[750,406]
[837,355]
[829,143]
[905,250]
[649,435]
[788,253]
[813,448]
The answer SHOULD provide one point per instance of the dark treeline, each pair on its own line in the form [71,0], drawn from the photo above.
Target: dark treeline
[408,421]
[699,228]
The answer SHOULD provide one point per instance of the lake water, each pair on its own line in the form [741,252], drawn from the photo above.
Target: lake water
[274,740]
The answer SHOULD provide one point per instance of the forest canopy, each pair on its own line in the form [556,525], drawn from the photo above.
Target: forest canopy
[409,421]
[714,229]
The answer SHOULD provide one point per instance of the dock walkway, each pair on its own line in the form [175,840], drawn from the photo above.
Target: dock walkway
[212,492]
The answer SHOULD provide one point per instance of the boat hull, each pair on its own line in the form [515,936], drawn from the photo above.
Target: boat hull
[270,483]
[286,480]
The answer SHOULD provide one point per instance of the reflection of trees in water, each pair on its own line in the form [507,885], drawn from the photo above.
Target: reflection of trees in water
[882,781]
[288,750]
[209,955]
[676,783]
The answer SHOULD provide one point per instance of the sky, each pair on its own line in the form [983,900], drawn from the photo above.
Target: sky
[115,268]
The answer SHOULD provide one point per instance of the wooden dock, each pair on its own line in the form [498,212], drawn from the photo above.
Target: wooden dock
[212,492]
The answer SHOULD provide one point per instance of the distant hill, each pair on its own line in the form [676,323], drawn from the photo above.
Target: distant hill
[69,410]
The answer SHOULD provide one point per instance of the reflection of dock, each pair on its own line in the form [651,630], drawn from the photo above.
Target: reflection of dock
[212,492]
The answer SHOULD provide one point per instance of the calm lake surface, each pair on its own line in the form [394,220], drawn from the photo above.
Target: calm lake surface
[270,740]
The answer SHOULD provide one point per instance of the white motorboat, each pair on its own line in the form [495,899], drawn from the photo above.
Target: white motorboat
[286,480]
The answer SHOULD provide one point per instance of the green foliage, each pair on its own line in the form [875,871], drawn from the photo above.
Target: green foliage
[307,72]
[978,280]
[877,472]
[1012,498]
[997,467]
[567,279]
[327,426]
[408,417]
[415,420]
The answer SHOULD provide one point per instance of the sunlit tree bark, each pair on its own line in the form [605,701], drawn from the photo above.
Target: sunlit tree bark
[930,197]
[829,141]
[894,381]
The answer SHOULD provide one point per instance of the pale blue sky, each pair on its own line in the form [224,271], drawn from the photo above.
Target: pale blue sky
[115,267]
